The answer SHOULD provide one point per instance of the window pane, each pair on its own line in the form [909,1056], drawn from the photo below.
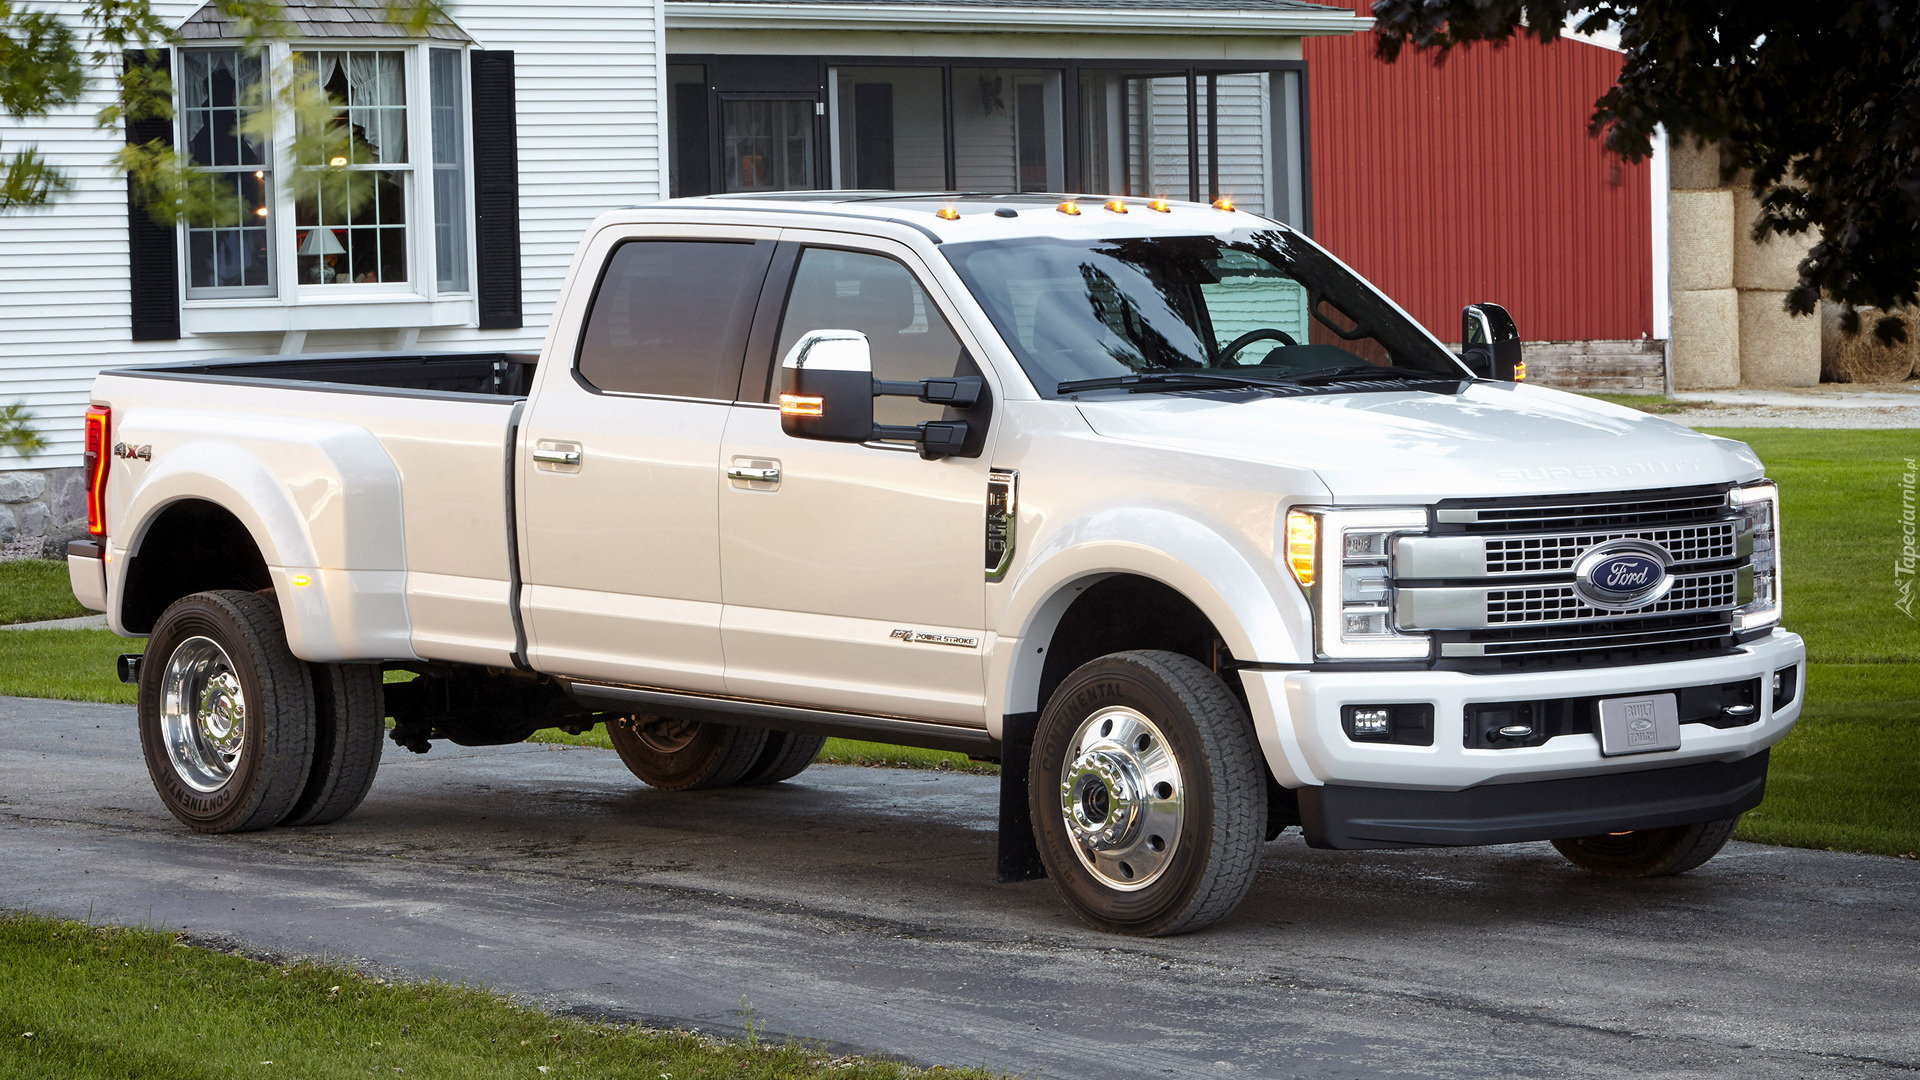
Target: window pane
[449,170]
[891,128]
[670,318]
[848,290]
[226,234]
[768,145]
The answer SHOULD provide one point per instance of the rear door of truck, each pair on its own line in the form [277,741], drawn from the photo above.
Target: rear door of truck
[619,459]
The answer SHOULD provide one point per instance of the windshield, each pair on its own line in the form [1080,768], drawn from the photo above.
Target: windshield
[1259,304]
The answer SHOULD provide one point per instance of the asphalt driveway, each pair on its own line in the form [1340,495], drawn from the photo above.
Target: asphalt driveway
[857,907]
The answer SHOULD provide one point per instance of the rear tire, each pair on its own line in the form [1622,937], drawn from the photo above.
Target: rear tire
[1648,853]
[685,755]
[352,726]
[1147,794]
[225,713]
[787,755]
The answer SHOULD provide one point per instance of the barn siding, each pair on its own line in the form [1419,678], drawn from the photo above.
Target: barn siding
[587,96]
[1476,180]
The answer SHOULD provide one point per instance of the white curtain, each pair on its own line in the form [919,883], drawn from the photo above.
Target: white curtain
[376,98]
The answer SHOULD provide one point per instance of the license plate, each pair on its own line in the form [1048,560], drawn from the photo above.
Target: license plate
[1639,725]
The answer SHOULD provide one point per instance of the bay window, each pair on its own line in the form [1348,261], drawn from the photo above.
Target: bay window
[372,197]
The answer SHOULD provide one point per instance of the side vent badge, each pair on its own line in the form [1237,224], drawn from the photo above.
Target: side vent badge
[1002,510]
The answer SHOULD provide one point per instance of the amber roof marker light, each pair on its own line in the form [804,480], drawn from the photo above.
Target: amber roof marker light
[947,213]
[1161,205]
[1118,206]
[1069,208]
[1224,202]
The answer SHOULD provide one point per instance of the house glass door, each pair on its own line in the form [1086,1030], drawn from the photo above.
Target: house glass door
[767,143]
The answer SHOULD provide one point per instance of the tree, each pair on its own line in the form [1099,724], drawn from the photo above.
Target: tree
[1821,104]
[47,63]
[17,432]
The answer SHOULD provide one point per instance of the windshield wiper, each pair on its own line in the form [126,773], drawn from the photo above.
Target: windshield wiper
[1148,379]
[1371,371]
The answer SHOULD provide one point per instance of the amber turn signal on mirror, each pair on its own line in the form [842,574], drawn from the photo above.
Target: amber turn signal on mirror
[801,405]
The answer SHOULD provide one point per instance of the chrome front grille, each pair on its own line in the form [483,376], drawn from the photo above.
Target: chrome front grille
[1557,603]
[1457,581]
[1555,554]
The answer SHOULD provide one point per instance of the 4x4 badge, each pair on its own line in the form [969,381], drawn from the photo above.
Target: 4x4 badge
[126,450]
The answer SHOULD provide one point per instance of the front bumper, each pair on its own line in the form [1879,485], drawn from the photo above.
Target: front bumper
[1344,816]
[1298,713]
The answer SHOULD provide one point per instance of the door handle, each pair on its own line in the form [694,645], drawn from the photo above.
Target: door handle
[557,457]
[743,472]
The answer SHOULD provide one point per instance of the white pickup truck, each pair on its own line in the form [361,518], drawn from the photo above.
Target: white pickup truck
[1157,504]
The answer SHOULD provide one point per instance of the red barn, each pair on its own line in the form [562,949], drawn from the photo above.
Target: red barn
[1475,179]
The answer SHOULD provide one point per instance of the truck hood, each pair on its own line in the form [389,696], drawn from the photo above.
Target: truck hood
[1491,439]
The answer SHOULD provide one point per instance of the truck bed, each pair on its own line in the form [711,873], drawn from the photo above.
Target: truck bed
[433,374]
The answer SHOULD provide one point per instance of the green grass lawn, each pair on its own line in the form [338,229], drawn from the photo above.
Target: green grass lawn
[80,1003]
[1848,777]
[35,589]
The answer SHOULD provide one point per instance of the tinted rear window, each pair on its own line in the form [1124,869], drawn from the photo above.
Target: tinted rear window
[670,317]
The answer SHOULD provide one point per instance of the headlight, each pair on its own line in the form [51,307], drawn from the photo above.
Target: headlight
[1344,559]
[1759,591]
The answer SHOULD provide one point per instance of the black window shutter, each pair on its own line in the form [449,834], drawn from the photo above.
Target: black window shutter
[152,250]
[496,184]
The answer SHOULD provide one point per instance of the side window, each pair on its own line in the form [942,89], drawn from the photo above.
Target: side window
[670,318]
[850,290]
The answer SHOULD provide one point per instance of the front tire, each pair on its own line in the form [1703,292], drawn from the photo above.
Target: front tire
[685,755]
[1147,794]
[225,713]
[1646,853]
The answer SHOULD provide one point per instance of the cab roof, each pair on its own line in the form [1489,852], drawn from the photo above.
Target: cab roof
[959,217]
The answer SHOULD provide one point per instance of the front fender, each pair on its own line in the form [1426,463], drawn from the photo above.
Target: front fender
[321,501]
[1235,588]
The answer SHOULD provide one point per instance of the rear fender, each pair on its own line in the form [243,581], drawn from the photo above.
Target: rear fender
[321,502]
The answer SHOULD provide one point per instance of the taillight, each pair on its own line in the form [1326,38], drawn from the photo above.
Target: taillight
[99,423]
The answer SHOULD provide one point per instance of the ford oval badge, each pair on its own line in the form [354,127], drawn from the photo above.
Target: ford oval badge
[1621,575]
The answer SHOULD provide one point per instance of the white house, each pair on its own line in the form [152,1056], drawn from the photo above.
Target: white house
[492,139]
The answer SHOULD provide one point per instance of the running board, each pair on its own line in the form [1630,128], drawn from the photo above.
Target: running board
[747,712]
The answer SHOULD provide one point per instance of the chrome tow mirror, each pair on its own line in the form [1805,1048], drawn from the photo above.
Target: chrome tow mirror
[827,390]
[1490,343]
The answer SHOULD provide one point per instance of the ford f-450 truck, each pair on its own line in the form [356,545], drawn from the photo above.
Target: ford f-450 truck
[1156,504]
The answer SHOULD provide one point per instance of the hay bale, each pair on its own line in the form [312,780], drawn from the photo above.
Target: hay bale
[1706,339]
[1701,239]
[1772,264]
[1862,358]
[1693,166]
[1777,349]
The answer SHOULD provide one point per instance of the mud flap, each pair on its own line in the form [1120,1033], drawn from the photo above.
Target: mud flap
[1019,858]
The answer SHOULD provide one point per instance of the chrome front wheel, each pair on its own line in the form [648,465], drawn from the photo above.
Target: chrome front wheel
[203,714]
[1121,798]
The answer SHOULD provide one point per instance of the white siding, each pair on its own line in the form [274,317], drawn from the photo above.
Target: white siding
[587,76]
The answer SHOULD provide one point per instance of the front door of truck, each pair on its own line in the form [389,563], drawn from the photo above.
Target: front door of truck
[852,573]
[619,463]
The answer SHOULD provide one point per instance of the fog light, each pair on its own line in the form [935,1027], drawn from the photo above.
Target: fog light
[1372,723]
[1406,725]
